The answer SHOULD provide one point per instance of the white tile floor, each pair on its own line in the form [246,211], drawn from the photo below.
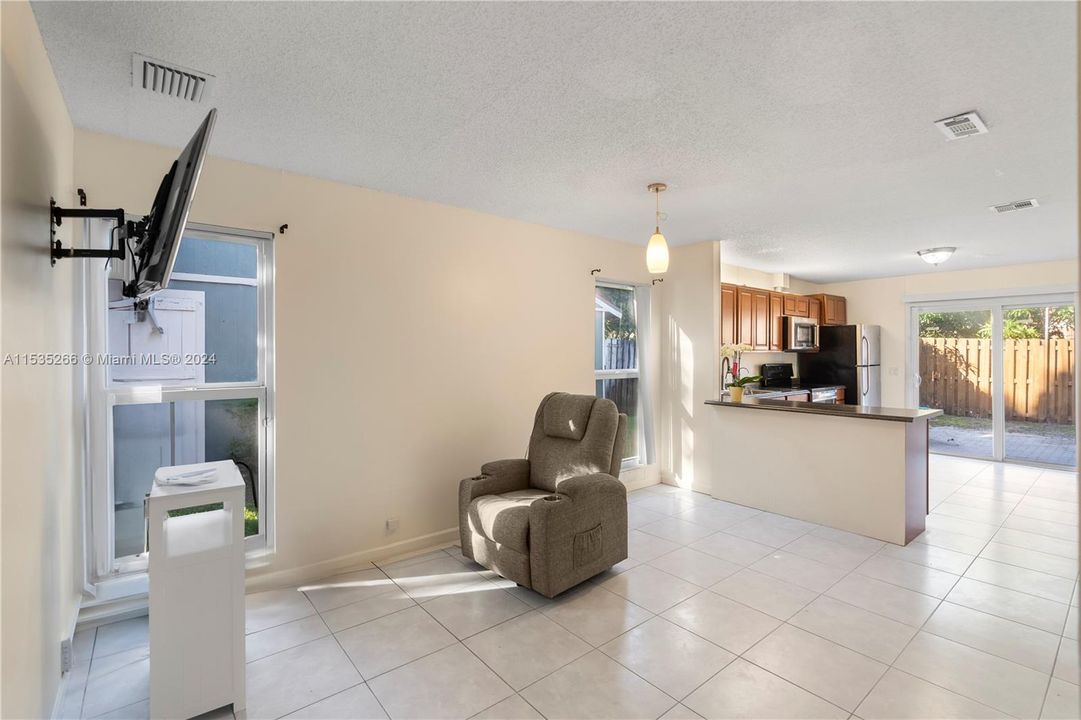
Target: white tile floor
[721,612]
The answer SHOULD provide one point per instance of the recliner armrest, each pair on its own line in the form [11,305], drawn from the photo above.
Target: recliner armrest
[496,477]
[586,487]
[576,532]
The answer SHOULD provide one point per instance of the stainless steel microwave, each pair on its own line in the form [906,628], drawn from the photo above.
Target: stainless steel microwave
[800,334]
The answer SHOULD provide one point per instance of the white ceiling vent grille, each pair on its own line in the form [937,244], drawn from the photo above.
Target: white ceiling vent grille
[961,126]
[169,79]
[1018,205]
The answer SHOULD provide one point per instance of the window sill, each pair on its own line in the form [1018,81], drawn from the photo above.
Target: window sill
[128,595]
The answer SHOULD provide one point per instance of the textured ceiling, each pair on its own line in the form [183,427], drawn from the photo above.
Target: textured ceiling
[800,134]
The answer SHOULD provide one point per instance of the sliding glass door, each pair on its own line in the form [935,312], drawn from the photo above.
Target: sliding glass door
[1038,369]
[1002,372]
[955,360]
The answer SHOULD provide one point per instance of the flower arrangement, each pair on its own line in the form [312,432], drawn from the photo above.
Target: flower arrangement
[734,350]
[745,380]
[730,359]
[731,354]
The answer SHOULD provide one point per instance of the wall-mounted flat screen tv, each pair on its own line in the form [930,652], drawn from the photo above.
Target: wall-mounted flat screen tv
[155,251]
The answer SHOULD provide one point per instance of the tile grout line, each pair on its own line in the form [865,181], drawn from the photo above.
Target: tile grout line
[941,601]
[461,641]
[742,656]
[593,648]
[89,663]
[349,657]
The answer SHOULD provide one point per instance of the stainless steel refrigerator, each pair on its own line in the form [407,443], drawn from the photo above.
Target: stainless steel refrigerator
[847,355]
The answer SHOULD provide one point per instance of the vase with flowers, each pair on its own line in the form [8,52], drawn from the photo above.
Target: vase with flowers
[735,388]
[731,356]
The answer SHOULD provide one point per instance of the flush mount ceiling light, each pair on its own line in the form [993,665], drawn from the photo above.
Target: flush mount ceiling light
[657,250]
[934,256]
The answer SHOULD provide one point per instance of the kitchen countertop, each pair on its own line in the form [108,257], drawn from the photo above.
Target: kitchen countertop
[854,411]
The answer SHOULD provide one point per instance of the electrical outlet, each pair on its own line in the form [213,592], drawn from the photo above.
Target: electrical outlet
[392,525]
[66,660]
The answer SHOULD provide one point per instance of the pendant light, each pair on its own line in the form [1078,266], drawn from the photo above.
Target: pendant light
[657,250]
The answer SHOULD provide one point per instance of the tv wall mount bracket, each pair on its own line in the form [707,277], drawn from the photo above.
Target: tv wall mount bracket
[56,216]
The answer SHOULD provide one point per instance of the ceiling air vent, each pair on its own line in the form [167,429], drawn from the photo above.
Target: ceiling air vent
[169,79]
[961,126]
[1018,205]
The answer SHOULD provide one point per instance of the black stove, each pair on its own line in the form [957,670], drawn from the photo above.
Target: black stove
[778,375]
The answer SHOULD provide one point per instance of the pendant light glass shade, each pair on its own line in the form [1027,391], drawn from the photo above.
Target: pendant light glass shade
[657,254]
[657,250]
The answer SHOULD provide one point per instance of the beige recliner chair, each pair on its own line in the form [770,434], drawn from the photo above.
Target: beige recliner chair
[559,517]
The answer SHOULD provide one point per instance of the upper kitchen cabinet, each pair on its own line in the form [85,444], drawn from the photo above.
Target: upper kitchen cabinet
[833,310]
[796,305]
[776,321]
[755,316]
[760,339]
[728,314]
[746,317]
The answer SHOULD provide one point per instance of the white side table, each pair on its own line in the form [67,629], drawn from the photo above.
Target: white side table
[196,594]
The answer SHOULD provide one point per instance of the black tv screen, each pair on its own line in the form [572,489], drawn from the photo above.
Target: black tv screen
[155,253]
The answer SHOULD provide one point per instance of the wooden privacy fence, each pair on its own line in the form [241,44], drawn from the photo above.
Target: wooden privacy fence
[1038,377]
[620,353]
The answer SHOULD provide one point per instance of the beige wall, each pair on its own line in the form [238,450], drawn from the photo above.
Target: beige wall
[738,275]
[688,329]
[39,495]
[414,340]
[882,302]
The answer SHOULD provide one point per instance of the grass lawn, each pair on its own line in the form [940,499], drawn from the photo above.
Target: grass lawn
[251,515]
[1055,430]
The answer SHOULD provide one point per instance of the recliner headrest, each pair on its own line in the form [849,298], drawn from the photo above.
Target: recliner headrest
[566,415]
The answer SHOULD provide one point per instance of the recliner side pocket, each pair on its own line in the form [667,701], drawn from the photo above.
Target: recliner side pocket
[588,546]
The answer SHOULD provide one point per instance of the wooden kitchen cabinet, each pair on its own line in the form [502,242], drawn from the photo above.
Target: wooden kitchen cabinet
[747,317]
[755,316]
[728,314]
[760,317]
[833,310]
[776,321]
[796,305]
[744,316]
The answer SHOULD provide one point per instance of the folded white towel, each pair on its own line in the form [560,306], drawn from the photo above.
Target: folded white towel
[196,477]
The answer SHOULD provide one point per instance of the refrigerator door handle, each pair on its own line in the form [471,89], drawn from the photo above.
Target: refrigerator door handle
[864,351]
[866,380]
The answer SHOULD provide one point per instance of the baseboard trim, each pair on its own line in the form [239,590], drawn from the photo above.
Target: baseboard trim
[112,611]
[291,577]
[640,477]
[138,605]
[669,478]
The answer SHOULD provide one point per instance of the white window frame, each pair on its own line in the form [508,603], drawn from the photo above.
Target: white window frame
[108,577]
[636,373]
